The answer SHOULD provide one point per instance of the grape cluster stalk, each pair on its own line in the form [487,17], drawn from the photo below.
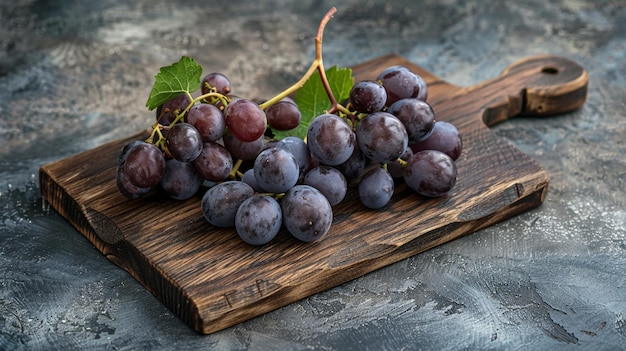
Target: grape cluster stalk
[221,148]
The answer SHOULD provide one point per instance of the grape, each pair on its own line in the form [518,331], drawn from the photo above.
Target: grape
[144,165]
[243,150]
[330,139]
[445,137]
[245,119]
[249,178]
[382,137]
[395,168]
[125,187]
[180,102]
[214,162]
[299,150]
[220,203]
[180,180]
[353,166]
[329,181]
[416,115]
[368,96]
[208,120]
[218,81]
[400,82]
[430,173]
[276,170]
[183,142]
[283,115]
[307,214]
[258,219]
[376,188]
[126,149]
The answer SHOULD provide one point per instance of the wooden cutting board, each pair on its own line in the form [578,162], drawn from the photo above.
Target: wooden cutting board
[212,280]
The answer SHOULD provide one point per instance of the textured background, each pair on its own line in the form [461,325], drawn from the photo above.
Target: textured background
[76,74]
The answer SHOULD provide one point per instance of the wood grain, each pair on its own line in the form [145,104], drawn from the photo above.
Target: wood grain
[213,280]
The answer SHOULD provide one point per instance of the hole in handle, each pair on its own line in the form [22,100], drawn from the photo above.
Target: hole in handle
[550,70]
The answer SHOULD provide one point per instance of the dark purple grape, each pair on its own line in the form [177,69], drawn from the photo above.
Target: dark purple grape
[376,188]
[180,180]
[395,168]
[400,82]
[307,214]
[178,103]
[249,178]
[258,219]
[445,137]
[220,203]
[329,181]
[283,115]
[183,142]
[417,116]
[276,170]
[124,185]
[430,173]
[144,165]
[243,150]
[127,148]
[299,150]
[214,162]
[353,166]
[330,139]
[381,137]
[208,120]
[368,96]
[215,80]
[245,119]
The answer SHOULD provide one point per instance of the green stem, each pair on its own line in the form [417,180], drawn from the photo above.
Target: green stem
[233,172]
[292,89]
[317,64]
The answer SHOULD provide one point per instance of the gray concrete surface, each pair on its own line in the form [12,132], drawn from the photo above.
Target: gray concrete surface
[75,74]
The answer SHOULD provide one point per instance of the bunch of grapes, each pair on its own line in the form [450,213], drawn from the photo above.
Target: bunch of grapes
[221,148]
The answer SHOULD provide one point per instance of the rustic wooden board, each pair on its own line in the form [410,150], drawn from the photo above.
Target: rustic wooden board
[212,280]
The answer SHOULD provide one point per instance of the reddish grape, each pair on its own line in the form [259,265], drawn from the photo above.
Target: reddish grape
[245,119]
[243,150]
[283,115]
[178,103]
[144,165]
[183,142]
[124,185]
[215,80]
[208,120]
[214,162]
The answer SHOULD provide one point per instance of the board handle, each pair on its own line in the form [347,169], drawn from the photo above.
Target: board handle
[534,86]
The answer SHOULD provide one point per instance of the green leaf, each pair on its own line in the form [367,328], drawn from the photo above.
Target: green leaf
[312,99]
[180,77]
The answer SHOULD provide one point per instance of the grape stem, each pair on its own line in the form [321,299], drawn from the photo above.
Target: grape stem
[317,64]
